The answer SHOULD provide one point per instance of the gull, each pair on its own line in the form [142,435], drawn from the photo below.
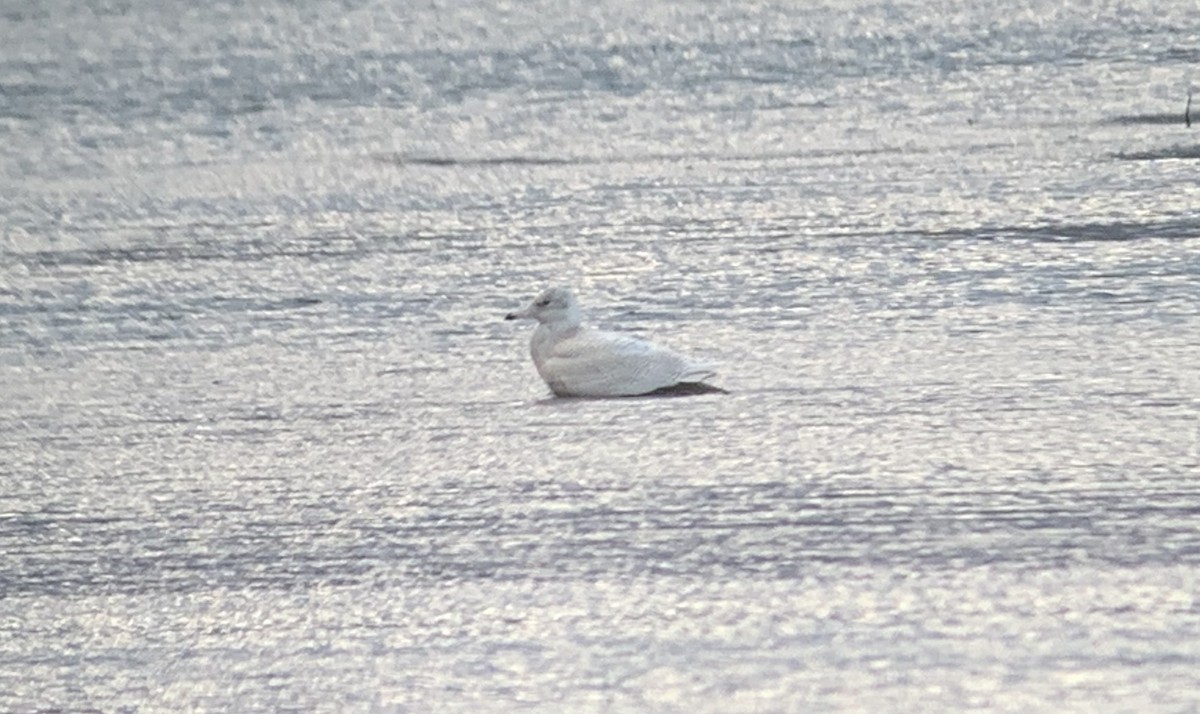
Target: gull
[580,361]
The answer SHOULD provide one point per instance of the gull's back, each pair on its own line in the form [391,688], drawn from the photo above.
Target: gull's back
[585,362]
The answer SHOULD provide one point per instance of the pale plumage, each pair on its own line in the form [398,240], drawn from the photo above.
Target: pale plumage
[578,361]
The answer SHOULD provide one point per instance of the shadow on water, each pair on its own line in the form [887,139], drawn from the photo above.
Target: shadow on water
[1158,119]
[1165,118]
[689,389]
[432,161]
[1178,229]
[1187,153]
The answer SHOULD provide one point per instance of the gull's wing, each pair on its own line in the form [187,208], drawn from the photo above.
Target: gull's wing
[592,363]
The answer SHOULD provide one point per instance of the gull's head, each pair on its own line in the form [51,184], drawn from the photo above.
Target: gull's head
[555,305]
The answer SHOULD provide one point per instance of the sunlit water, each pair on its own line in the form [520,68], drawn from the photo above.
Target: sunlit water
[266,443]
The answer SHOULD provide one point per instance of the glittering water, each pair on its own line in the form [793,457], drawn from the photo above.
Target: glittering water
[267,445]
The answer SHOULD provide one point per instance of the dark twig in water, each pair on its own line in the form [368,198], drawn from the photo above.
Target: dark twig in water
[1187,110]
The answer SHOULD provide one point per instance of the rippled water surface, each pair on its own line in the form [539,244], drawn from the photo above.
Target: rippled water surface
[266,443]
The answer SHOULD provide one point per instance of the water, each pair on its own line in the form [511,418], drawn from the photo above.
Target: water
[267,444]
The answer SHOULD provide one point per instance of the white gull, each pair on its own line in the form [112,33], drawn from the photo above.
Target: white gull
[579,361]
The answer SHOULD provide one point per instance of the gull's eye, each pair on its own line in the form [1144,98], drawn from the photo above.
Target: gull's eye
[542,303]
